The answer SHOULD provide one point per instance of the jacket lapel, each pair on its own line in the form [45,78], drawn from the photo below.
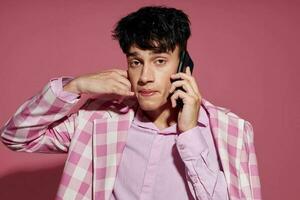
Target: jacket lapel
[227,130]
[109,139]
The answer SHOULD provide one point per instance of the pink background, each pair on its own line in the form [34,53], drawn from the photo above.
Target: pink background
[246,56]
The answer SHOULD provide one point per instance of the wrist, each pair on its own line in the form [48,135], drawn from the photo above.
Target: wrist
[72,87]
[186,128]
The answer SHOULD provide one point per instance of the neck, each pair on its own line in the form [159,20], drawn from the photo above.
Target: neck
[163,117]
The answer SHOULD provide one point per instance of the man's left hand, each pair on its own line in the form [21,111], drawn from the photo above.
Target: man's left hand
[191,98]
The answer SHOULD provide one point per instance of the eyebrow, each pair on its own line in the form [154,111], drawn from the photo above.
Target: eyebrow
[131,54]
[151,53]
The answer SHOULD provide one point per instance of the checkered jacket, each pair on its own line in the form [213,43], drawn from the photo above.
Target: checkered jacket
[95,136]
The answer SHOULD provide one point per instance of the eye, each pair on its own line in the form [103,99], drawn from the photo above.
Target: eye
[134,63]
[160,61]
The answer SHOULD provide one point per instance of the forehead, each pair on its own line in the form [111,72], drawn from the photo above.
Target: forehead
[136,51]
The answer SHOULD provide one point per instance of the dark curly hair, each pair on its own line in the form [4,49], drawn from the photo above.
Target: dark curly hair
[155,28]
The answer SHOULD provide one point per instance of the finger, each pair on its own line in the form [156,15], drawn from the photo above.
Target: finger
[178,94]
[124,81]
[184,84]
[188,71]
[115,75]
[121,72]
[123,92]
[122,89]
[113,86]
[181,75]
[187,77]
[190,86]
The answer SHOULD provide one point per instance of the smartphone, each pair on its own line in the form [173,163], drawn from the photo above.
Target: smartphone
[184,62]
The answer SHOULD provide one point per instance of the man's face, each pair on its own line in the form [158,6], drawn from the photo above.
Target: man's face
[149,73]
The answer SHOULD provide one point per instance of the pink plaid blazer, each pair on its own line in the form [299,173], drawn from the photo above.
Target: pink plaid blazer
[95,136]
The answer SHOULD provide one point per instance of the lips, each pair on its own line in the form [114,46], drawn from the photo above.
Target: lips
[147,92]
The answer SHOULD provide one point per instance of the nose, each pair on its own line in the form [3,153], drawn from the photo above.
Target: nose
[146,74]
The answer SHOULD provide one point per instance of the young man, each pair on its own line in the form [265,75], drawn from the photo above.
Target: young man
[132,141]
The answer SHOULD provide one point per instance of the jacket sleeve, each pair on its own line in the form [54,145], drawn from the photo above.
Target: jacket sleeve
[41,124]
[249,177]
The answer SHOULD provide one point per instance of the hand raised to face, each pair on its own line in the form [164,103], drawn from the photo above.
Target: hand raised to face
[110,82]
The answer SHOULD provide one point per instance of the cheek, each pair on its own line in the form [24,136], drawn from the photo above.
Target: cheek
[165,81]
[165,77]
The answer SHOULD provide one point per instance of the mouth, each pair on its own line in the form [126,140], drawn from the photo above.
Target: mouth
[147,93]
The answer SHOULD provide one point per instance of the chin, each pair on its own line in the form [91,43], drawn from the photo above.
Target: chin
[149,106]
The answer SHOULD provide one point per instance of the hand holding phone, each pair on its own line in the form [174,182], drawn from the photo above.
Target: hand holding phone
[185,95]
[184,62]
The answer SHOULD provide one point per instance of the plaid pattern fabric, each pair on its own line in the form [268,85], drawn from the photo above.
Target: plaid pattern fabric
[95,136]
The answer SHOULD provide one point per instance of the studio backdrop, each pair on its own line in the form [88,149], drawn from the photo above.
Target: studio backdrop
[246,56]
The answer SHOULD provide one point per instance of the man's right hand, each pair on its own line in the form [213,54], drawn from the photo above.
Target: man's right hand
[110,82]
